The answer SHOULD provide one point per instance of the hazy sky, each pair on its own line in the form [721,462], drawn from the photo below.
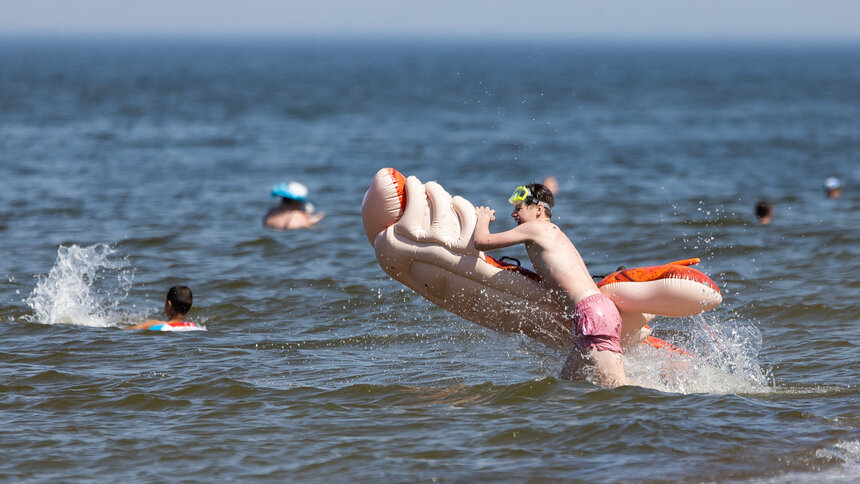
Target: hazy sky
[619,19]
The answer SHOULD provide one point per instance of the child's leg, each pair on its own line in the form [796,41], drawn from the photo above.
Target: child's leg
[576,366]
[605,368]
[608,368]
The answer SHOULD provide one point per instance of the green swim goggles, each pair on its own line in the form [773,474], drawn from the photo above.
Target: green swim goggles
[524,195]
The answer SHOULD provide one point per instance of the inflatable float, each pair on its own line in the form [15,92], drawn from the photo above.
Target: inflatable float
[183,326]
[423,238]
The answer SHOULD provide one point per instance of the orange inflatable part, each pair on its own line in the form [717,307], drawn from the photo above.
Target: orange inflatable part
[662,344]
[668,287]
[387,196]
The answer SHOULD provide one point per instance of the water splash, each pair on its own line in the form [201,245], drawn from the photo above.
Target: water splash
[719,357]
[847,455]
[836,464]
[85,287]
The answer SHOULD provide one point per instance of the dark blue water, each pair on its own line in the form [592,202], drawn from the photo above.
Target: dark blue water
[130,166]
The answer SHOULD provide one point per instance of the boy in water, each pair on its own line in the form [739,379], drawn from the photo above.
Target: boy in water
[597,324]
[176,306]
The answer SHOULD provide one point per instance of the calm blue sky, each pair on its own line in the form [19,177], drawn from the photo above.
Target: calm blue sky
[615,19]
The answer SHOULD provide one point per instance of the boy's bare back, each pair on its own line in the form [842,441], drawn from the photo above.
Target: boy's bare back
[559,264]
[552,254]
[596,321]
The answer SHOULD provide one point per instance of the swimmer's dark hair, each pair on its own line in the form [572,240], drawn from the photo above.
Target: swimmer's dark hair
[763,209]
[180,298]
[542,194]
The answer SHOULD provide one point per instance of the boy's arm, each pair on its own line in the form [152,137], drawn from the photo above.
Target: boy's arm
[484,240]
[145,324]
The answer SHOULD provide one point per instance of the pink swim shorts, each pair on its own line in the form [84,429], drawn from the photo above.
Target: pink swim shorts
[597,324]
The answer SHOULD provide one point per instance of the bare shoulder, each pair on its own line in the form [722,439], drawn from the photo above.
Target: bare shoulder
[540,227]
[282,219]
[293,219]
[546,233]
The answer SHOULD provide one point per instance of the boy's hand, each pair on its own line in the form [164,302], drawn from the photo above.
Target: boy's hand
[485,212]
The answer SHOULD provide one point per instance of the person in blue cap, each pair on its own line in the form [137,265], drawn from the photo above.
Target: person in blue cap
[833,187]
[295,210]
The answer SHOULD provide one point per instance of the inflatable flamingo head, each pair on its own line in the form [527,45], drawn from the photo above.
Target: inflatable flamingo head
[383,202]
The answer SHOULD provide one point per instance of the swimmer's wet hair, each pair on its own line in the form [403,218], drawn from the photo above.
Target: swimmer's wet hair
[763,209]
[542,194]
[180,298]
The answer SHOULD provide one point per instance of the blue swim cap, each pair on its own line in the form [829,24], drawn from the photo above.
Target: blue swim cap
[292,191]
[832,183]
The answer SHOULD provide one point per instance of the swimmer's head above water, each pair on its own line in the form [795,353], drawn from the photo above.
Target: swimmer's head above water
[533,194]
[179,301]
[833,187]
[294,194]
[764,212]
[292,191]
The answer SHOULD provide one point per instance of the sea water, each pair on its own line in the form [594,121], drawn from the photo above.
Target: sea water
[129,166]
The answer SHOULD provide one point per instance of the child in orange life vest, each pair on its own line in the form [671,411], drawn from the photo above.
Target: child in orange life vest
[597,324]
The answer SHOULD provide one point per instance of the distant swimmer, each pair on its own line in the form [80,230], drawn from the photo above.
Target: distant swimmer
[176,306]
[295,210]
[764,212]
[551,183]
[596,320]
[833,187]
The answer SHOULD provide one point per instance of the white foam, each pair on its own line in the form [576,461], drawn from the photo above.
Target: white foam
[848,453]
[845,457]
[85,287]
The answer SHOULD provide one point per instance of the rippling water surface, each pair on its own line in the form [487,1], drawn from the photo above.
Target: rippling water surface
[127,167]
